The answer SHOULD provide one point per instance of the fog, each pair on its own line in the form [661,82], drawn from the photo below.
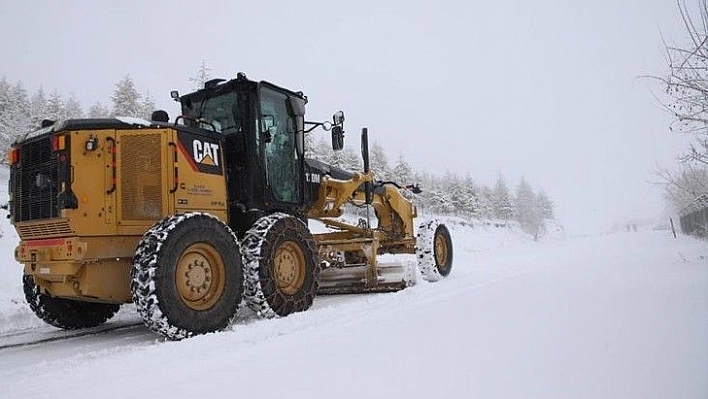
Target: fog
[546,90]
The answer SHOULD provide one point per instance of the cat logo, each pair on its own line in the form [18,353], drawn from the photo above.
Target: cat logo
[206,153]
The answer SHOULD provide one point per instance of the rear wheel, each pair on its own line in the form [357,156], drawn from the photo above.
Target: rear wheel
[187,276]
[66,313]
[434,250]
[281,270]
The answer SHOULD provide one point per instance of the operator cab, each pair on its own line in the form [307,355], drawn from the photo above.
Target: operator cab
[261,127]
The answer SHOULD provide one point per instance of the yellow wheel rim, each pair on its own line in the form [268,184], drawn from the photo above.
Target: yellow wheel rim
[200,276]
[289,267]
[440,250]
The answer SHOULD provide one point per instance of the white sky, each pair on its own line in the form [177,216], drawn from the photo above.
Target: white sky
[544,89]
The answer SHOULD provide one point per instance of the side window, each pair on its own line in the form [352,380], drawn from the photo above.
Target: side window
[277,129]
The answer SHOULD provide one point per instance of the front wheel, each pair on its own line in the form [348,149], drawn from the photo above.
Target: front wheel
[187,276]
[433,250]
[281,270]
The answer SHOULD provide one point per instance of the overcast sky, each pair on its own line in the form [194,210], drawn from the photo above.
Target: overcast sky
[544,89]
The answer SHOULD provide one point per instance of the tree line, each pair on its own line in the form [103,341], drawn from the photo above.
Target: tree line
[21,112]
[449,194]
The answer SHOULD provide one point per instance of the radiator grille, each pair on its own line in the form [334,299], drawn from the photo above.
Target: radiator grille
[141,176]
[34,182]
[42,230]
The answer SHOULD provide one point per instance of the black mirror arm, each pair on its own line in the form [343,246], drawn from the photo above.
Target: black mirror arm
[314,126]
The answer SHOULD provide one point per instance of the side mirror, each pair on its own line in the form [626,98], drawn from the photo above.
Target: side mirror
[337,138]
[338,117]
[175,95]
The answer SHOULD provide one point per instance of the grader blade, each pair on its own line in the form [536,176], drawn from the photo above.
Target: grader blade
[389,277]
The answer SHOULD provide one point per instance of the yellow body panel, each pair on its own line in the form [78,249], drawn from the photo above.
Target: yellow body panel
[132,179]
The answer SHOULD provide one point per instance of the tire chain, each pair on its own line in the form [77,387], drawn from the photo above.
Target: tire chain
[424,250]
[143,273]
[251,247]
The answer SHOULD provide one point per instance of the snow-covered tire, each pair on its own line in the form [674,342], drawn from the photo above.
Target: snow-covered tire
[187,276]
[433,250]
[281,267]
[66,313]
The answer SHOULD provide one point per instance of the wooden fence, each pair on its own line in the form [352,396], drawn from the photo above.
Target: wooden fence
[694,217]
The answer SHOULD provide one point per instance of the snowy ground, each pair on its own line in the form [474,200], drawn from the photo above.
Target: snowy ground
[613,316]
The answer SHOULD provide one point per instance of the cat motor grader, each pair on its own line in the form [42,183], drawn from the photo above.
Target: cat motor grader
[191,219]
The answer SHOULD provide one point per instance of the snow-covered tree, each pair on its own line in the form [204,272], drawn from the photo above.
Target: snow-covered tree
[458,196]
[545,205]
[72,108]
[147,106]
[528,211]
[98,110]
[501,200]
[345,159]
[470,190]
[203,75]
[682,187]
[402,171]
[126,100]
[38,108]
[379,162]
[439,202]
[485,200]
[55,106]
[14,113]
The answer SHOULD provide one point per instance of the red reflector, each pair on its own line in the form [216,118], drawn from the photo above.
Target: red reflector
[13,156]
[58,142]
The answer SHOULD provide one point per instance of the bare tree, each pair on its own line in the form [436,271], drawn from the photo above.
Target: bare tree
[686,83]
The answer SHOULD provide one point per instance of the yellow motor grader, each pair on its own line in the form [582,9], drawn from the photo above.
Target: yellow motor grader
[191,218]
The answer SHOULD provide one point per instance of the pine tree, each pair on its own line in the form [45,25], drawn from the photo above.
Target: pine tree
[440,202]
[55,106]
[126,100]
[379,162]
[458,196]
[528,212]
[147,106]
[98,110]
[502,203]
[72,108]
[402,171]
[345,159]
[203,75]
[14,114]
[5,113]
[470,190]
[485,200]
[545,205]
[38,108]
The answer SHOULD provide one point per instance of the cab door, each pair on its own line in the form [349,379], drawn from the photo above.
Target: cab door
[277,140]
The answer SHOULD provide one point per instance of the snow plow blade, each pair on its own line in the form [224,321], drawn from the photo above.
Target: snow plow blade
[390,277]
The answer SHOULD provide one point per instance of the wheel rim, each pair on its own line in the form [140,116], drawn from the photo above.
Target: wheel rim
[289,267]
[441,252]
[200,276]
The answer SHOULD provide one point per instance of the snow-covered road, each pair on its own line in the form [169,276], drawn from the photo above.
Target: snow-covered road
[616,316]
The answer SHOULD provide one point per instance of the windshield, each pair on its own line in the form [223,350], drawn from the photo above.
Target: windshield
[217,111]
